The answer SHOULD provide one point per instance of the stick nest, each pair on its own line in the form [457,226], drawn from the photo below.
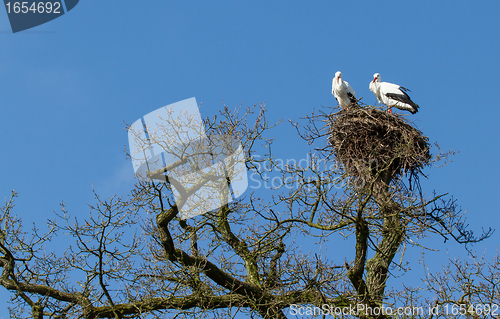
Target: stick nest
[370,142]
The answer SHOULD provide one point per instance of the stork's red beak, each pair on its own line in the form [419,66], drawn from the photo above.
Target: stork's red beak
[373,80]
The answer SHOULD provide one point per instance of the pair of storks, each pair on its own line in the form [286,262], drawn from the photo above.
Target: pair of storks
[389,94]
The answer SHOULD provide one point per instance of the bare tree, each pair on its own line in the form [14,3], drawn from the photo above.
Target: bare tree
[135,256]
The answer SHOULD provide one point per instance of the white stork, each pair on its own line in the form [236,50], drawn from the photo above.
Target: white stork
[342,91]
[392,95]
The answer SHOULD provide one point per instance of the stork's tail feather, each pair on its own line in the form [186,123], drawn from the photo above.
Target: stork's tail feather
[352,99]
[415,107]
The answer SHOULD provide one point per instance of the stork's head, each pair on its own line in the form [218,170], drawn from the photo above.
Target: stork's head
[376,77]
[338,75]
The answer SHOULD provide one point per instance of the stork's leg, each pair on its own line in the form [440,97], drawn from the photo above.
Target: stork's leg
[390,110]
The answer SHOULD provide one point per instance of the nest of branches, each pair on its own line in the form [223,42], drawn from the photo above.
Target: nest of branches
[372,143]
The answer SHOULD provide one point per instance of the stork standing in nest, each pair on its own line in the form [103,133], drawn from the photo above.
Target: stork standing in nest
[392,95]
[343,92]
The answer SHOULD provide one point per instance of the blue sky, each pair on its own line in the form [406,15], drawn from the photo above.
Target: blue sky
[68,86]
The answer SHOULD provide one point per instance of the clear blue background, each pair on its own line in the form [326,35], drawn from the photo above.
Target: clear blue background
[68,86]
